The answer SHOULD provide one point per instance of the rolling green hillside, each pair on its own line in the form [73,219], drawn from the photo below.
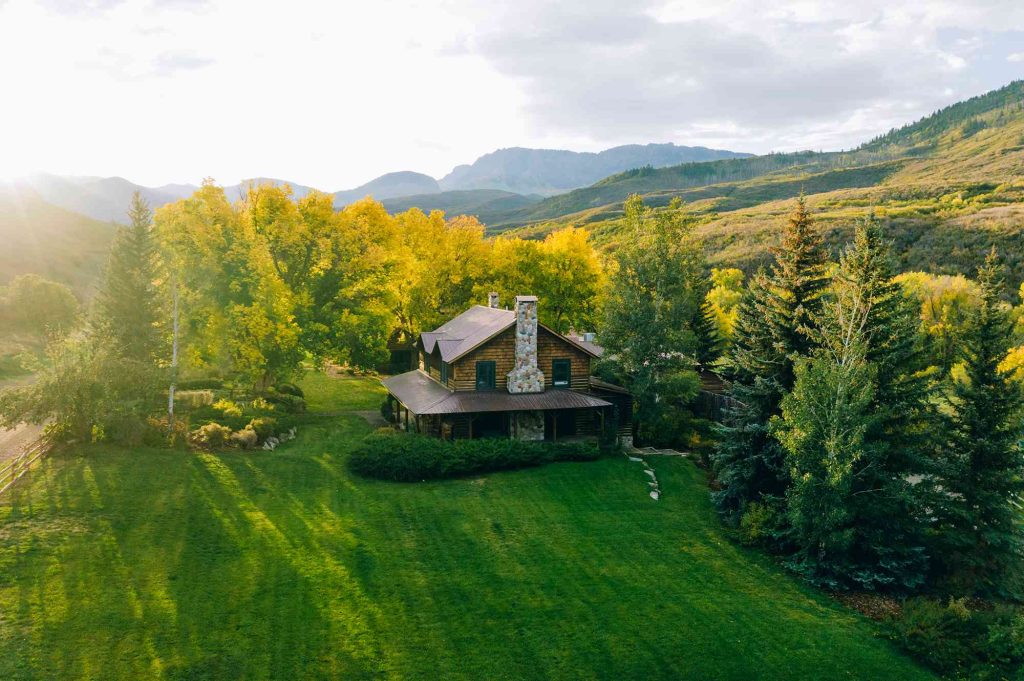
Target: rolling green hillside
[40,238]
[950,185]
[942,140]
[490,205]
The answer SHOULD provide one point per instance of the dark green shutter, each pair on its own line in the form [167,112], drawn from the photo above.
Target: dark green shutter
[561,373]
[485,376]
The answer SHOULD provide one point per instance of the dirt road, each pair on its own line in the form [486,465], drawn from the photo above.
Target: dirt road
[15,441]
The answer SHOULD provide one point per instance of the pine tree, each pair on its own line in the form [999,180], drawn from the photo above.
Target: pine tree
[772,329]
[857,520]
[981,476]
[709,341]
[128,309]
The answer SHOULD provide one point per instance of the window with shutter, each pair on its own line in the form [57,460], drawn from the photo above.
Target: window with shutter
[561,373]
[485,376]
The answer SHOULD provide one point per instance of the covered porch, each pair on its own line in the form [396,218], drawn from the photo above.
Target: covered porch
[421,405]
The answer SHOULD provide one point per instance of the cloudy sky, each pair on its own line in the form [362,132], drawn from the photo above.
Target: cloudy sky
[331,94]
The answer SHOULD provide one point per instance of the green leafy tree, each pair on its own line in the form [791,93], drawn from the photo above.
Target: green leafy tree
[128,308]
[773,328]
[36,306]
[653,301]
[981,475]
[822,428]
[86,391]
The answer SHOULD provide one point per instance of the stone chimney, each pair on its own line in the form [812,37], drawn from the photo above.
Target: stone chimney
[526,377]
[492,300]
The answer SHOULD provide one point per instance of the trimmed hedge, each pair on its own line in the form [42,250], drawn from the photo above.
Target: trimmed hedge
[403,457]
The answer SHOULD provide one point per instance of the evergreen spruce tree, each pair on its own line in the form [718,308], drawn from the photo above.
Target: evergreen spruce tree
[128,309]
[708,339]
[772,329]
[857,520]
[982,471]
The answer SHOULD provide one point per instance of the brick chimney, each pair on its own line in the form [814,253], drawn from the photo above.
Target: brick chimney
[492,300]
[526,377]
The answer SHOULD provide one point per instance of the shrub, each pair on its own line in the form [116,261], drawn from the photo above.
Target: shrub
[263,426]
[958,640]
[289,403]
[390,455]
[228,408]
[245,438]
[194,399]
[210,436]
[262,404]
[157,434]
[201,384]
[290,389]
[387,411]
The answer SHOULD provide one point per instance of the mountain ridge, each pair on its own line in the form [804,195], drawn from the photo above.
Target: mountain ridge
[106,198]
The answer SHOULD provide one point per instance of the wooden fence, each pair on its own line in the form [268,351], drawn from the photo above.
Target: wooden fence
[13,470]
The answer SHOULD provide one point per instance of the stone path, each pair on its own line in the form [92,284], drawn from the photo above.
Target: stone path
[637,455]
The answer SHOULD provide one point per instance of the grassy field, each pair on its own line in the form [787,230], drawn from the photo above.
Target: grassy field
[119,564]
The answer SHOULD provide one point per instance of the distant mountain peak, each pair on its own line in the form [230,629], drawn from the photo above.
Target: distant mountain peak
[553,171]
[389,186]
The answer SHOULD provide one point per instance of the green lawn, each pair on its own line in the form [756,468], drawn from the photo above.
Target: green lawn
[120,564]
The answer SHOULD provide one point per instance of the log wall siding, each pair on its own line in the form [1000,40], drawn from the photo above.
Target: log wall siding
[501,351]
[435,368]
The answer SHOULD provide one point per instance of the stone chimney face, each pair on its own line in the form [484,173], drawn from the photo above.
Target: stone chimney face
[492,300]
[526,377]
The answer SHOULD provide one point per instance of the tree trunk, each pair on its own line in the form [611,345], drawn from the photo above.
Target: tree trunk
[174,366]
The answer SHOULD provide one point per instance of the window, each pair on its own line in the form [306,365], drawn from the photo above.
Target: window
[485,375]
[561,373]
[444,372]
[426,363]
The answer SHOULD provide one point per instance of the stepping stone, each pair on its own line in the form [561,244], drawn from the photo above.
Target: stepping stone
[655,494]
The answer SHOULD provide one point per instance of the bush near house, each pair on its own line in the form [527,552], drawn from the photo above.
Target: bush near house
[403,457]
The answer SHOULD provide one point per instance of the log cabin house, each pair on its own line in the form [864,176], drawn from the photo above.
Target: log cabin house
[491,372]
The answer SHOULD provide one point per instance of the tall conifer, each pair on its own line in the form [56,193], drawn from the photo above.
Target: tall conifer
[128,309]
[982,472]
[857,517]
[772,329]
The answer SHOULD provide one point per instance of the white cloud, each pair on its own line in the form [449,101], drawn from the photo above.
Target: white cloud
[1016,57]
[332,94]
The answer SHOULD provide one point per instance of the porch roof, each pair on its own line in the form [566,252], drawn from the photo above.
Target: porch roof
[423,395]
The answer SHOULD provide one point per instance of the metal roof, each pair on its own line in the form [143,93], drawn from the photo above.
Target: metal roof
[468,330]
[423,395]
[479,324]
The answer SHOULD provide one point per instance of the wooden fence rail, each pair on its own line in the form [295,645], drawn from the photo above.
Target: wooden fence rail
[13,470]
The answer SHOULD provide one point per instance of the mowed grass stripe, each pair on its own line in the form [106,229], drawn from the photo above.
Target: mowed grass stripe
[143,564]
